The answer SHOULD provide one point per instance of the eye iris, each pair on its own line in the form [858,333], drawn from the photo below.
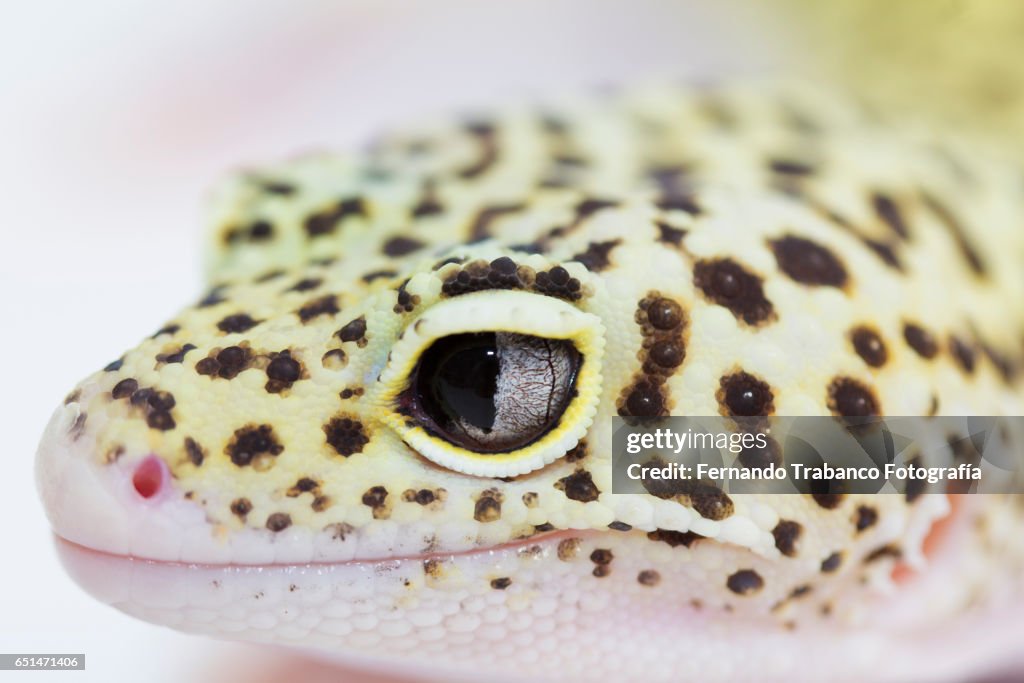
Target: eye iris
[493,391]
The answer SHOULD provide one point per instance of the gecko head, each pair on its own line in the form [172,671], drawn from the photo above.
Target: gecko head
[406,447]
[447,424]
[298,418]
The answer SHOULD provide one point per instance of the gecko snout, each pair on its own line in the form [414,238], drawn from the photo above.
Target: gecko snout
[117,502]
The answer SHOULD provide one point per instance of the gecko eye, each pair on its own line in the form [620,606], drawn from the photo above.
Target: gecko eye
[494,391]
[494,383]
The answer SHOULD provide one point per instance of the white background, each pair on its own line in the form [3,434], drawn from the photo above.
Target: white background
[114,118]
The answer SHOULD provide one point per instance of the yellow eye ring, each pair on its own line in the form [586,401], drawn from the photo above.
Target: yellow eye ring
[498,311]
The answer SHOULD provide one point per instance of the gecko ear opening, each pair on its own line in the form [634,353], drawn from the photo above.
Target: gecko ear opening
[496,383]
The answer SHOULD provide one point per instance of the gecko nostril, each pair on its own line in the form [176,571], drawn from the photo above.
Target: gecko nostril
[149,476]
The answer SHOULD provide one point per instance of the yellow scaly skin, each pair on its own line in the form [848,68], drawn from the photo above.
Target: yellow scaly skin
[743,236]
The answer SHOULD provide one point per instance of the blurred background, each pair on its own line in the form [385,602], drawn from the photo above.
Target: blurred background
[115,117]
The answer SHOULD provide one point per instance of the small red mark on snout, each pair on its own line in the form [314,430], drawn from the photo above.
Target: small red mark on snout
[149,476]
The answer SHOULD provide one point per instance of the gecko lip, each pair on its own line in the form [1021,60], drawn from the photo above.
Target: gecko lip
[70,551]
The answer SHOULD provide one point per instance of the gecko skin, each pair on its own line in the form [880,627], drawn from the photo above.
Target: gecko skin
[384,432]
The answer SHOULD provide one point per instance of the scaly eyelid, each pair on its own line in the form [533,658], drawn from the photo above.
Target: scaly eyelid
[497,311]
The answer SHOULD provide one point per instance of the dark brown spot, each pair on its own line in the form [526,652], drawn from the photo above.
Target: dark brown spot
[265,277]
[667,354]
[665,314]
[885,252]
[921,340]
[278,187]
[240,322]
[644,398]
[324,305]
[485,135]
[956,231]
[167,329]
[558,283]
[241,507]
[829,501]
[196,453]
[161,420]
[601,571]
[726,283]
[378,274]
[791,167]
[964,354]
[786,534]
[831,563]
[597,256]
[620,526]
[674,538]
[375,497]
[480,228]
[602,556]
[353,331]
[282,372]
[226,363]
[745,582]
[346,435]
[680,202]
[400,246]
[124,388]
[279,521]
[251,442]
[426,206]
[648,577]
[334,359]
[579,486]
[889,212]
[213,297]
[501,584]
[326,222]
[303,485]
[175,356]
[670,235]
[501,273]
[405,302]
[422,497]
[743,395]
[710,502]
[113,366]
[1006,367]
[257,231]
[847,397]
[808,263]
[869,346]
[866,517]
[487,509]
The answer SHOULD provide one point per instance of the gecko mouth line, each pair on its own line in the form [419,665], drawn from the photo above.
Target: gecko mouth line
[75,551]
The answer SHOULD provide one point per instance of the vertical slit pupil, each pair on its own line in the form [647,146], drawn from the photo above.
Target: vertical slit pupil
[462,378]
